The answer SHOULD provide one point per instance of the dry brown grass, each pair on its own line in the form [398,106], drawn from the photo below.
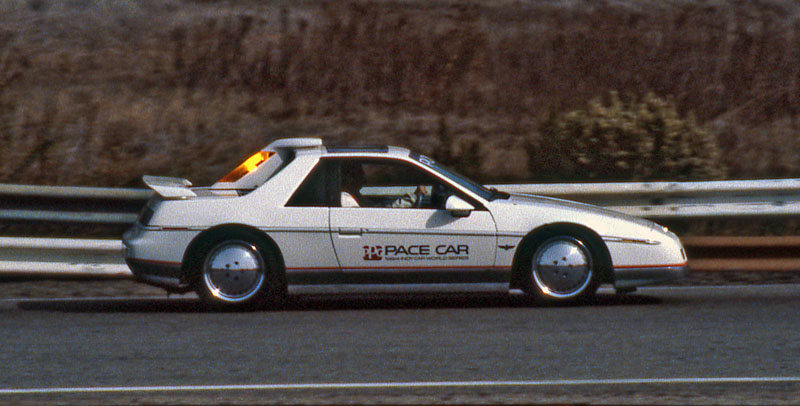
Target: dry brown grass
[101,92]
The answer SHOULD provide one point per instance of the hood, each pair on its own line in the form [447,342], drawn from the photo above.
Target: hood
[549,202]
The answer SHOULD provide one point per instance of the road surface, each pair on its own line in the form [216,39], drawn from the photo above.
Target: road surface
[738,344]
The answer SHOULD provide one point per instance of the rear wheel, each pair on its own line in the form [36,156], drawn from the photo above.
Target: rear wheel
[560,267]
[238,273]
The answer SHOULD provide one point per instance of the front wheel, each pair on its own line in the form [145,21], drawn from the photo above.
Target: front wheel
[561,268]
[236,273]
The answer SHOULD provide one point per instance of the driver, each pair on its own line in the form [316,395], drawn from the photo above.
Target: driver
[411,199]
[352,180]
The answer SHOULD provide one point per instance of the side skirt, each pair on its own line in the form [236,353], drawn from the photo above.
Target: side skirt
[395,276]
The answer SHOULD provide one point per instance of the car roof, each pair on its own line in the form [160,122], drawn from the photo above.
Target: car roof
[385,151]
[315,145]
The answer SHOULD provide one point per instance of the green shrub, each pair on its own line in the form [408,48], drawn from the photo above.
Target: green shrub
[622,138]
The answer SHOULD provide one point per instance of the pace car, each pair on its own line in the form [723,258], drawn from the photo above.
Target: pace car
[299,212]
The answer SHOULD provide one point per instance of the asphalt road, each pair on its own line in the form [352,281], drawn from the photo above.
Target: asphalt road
[736,344]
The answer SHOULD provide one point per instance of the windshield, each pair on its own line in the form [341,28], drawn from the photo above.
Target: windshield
[471,185]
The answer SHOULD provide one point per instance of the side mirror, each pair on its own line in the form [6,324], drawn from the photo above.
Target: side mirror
[458,207]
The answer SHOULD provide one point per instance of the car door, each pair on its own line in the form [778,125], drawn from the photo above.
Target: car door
[390,236]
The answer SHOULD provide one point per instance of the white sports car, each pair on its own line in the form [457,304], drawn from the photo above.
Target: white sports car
[299,212]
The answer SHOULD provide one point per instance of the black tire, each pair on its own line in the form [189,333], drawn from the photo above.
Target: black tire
[561,267]
[237,271]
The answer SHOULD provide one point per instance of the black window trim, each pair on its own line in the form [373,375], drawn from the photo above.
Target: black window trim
[337,173]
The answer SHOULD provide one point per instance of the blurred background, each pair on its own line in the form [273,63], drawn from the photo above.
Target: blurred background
[98,93]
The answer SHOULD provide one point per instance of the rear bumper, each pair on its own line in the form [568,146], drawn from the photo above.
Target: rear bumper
[164,275]
[632,277]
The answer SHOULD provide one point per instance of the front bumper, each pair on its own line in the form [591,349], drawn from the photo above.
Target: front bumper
[626,278]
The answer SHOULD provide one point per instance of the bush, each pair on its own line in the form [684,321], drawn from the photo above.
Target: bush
[616,138]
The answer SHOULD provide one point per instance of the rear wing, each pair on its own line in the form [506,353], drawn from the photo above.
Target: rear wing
[252,173]
[168,187]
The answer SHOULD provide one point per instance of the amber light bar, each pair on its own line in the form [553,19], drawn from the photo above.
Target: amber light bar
[247,166]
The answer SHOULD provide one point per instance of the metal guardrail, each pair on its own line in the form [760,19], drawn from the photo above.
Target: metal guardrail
[60,257]
[762,254]
[26,258]
[66,204]
[656,200]
[677,200]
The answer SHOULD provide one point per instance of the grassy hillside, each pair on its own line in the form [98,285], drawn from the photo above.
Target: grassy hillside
[100,92]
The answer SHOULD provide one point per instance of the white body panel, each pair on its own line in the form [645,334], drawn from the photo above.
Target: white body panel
[631,241]
[400,239]
[306,231]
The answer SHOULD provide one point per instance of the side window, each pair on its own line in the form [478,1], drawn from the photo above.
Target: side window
[316,190]
[387,183]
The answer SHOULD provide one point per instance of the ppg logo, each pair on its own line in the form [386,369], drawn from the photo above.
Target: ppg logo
[373,253]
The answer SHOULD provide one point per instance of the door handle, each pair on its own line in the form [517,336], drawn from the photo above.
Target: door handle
[350,231]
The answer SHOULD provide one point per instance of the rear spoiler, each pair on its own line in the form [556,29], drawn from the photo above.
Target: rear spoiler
[169,188]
